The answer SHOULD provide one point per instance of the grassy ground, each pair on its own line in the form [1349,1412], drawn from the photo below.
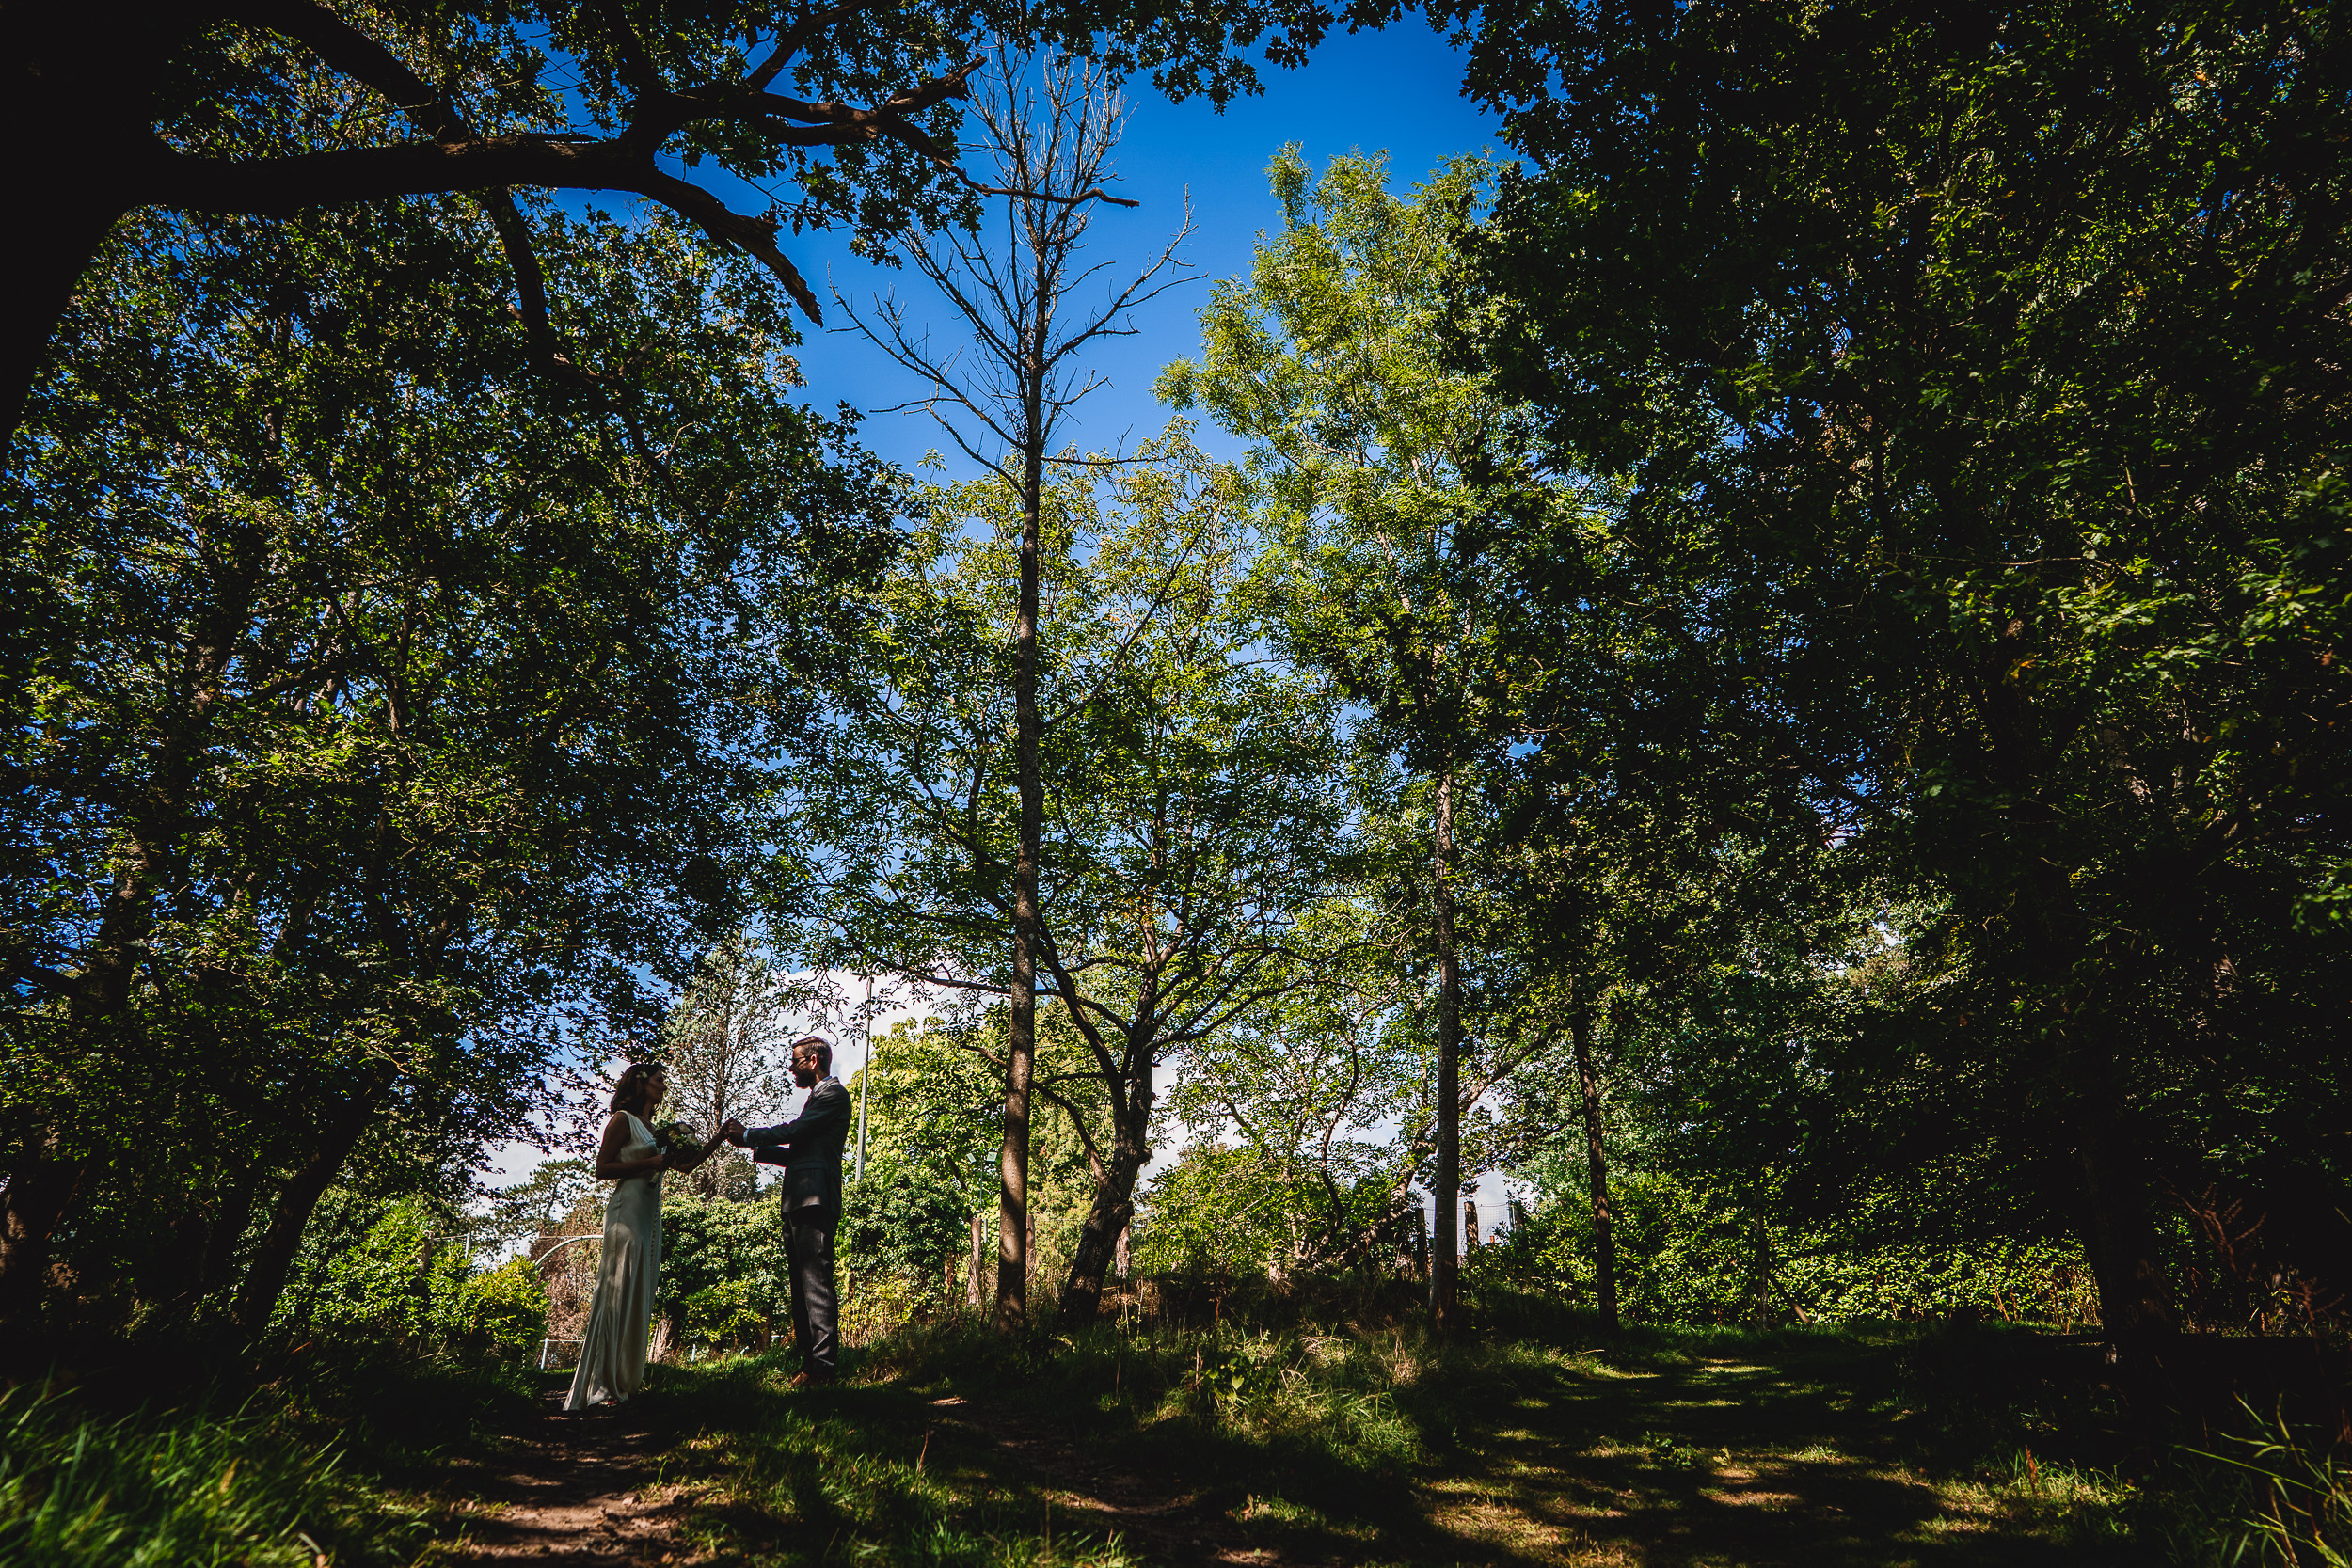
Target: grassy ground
[189,1460]
[1301,1435]
[1368,1445]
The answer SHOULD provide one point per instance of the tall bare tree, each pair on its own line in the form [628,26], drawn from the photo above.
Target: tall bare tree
[725,1039]
[1049,121]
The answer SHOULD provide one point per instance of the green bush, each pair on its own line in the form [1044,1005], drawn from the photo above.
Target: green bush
[403,1280]
[506,1307]
[902,1219]
[714,1243]
[1689,1253]
[725,1316]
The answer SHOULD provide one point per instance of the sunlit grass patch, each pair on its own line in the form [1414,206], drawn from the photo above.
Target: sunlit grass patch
[1817,1453]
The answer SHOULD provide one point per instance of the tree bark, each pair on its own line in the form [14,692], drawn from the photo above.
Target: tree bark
[1101,1240]
[1596,1159]
[2135,1297]
[44,1181]
[1012,1252]
[273,1256]
[75,82]
[1445,1260]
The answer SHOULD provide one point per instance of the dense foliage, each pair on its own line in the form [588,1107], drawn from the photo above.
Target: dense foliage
[382,718]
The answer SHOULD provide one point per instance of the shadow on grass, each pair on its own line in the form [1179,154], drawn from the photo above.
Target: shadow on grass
[1369,1445]
[864,1472]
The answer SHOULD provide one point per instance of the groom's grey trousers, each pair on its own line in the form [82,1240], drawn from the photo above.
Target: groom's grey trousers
[808,1235]
[809,1150]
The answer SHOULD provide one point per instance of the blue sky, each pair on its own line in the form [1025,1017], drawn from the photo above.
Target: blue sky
[1397,91]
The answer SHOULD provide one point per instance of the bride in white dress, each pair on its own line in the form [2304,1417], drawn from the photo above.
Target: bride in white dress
[612,1354]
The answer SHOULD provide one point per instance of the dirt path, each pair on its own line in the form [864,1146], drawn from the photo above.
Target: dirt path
[575,1491]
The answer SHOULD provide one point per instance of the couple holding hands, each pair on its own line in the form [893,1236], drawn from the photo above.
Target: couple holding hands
[613,1355]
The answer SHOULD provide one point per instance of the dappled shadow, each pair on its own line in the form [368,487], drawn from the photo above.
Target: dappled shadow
[1716,1461]
[1796,1453]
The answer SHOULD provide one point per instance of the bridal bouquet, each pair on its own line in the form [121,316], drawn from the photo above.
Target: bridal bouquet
[677,1137]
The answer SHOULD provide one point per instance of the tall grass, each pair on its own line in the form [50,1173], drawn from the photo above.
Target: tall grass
[2276,1496]
[182,1488]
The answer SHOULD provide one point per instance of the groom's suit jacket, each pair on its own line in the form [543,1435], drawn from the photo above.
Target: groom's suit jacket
[808,1147]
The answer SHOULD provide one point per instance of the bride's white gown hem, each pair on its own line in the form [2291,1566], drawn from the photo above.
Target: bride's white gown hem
[612,1352]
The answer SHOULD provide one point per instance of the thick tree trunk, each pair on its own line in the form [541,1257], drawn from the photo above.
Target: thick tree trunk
[53,1159]
[2135,1297]
[56,241]
[1012,1230]
[76,101]
[1445,1260]
[1101,1239]
[1604,1234]
[273,1255]
[44,1180]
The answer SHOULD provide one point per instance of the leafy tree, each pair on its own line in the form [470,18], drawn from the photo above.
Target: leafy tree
[537,1205]
[1188,787]
[379,721]
[1304,1083]
[1978,379]
[934,1092]
[1375,460]
[725,1048]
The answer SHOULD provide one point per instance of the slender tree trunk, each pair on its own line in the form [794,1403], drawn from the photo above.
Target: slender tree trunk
[274,1255]
[1012,1231]
[1445,1262]
[1604,1235]
[1100,1240]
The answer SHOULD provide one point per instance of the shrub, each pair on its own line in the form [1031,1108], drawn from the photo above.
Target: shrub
[725,1316]
[507,1306]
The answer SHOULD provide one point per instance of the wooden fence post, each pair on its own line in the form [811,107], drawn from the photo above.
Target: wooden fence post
[972,1288]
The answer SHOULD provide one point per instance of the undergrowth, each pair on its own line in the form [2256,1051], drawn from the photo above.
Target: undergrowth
[149,1467]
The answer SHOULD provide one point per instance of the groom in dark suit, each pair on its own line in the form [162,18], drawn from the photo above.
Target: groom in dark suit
[809,1150]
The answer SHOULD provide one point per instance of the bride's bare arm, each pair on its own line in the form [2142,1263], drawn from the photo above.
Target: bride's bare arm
[609,1166]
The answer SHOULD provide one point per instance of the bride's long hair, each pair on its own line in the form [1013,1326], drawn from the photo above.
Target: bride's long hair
[631,1088]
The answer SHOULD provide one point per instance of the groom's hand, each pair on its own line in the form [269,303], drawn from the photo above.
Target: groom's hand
[734,1131]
